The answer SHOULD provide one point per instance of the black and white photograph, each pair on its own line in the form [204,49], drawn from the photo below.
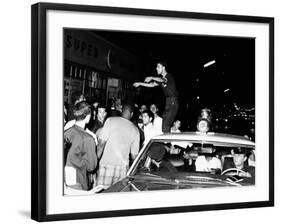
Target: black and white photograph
[157,111]
[139,112]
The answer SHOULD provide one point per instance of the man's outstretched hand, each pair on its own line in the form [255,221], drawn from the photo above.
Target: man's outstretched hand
[136,84]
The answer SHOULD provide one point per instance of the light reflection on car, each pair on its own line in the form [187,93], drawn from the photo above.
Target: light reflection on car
[170,161]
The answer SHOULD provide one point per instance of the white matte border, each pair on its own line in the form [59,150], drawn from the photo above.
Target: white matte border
[58,204]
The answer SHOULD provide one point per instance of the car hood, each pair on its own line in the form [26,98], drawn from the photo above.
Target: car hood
[145,182]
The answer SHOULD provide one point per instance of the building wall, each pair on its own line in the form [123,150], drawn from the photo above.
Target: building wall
[85,47]
[99,69]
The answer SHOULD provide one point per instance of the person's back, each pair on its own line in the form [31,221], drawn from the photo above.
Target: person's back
[81,154]
[118,139]
[122,138]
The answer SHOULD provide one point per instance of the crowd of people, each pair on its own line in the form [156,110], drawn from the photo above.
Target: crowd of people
[100,142]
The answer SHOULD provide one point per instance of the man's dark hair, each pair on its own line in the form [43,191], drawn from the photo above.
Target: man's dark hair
[163,63]
[81,110]
[149,113]
[127,106]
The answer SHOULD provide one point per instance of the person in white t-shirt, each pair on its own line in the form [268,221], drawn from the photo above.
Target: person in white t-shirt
[157,121]
[208,162]
[148,128]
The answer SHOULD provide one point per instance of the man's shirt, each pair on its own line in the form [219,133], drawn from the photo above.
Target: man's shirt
[169,86]
[204,165]
[122,139]
[157,122]
[149,132]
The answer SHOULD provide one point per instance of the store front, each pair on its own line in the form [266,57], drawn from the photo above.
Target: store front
[99,69]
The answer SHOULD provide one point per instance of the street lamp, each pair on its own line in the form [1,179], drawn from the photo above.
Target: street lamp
[209,63]
[226,90]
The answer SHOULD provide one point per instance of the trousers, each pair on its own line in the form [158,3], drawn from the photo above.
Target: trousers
[170,113]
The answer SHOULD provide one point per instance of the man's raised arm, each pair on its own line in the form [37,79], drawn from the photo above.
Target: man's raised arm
[151,84]
[152,78]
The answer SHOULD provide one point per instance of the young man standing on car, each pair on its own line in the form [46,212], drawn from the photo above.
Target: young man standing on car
[168,84]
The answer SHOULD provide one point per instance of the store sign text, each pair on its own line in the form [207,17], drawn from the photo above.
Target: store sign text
[82,47]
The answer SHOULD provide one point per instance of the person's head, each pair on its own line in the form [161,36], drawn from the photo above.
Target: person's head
[147,117]
[101,113]
[127,110]
[161,67]
[177,124]
[154,108]
[157,151]
[239,157]
[143,107]
[82,111]
[205,113]
[77,97]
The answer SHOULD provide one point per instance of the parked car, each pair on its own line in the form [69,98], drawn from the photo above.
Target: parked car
[170,161]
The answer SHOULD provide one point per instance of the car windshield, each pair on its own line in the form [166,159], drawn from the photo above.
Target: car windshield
[193,161]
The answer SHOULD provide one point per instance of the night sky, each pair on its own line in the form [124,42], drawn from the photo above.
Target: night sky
[186,55]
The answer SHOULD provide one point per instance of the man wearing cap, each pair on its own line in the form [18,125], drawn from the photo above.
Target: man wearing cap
[239,162]
[168,84]
[80,153]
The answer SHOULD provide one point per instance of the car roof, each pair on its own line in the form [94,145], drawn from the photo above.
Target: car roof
[218,139]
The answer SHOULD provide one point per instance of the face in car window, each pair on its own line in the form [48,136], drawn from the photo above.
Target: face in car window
[239,159]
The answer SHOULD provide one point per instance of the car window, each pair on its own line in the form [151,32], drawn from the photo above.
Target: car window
[166,158]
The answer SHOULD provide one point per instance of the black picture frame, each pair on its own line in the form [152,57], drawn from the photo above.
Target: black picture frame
[39,106]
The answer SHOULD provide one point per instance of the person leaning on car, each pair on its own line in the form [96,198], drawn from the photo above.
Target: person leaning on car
[239,161]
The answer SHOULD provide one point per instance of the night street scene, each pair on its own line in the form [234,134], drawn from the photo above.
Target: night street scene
[143,92]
